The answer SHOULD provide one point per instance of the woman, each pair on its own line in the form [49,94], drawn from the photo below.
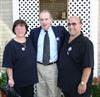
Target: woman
[20,60]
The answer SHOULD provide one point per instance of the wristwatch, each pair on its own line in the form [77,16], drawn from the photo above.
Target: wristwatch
[83,83]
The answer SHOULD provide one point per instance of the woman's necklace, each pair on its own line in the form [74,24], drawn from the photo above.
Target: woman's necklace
[22,42]
[24,46]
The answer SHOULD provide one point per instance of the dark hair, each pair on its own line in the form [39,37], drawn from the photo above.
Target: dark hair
[18,22]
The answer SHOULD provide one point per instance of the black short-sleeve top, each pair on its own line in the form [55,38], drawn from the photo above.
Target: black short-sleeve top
[74,57]
[22,59]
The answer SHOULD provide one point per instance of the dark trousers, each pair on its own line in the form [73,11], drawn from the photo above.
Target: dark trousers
[27,91]
[75,94]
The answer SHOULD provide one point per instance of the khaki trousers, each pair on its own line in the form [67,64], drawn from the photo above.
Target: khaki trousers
[47,86]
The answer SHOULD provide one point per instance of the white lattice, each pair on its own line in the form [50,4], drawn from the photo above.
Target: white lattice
[29,11]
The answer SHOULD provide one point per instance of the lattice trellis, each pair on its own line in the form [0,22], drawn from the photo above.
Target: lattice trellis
[29,11]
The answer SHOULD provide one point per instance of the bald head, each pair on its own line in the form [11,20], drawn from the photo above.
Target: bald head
[75,18]
[74,25]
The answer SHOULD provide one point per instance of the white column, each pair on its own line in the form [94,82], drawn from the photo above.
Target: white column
[94,31]
[15,7]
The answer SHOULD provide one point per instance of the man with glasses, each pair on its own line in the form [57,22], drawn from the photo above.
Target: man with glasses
[75,65]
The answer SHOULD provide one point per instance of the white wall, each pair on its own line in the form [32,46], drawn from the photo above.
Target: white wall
[93,26]
[94,31]
[15,8]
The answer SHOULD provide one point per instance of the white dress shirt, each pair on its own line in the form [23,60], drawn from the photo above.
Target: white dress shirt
[53,46]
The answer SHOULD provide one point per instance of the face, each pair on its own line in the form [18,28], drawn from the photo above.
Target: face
[20,30]
[74,25]
[45,20]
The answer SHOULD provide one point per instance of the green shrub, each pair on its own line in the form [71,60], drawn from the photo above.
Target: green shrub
[95,89]
[3,81]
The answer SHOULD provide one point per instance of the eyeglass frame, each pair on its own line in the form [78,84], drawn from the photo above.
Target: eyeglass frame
[73,24]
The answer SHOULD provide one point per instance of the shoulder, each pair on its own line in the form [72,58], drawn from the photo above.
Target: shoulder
[28,39]
[35,32]
[58,27]
[9,45]
[36,29]
[87,41]
[60,30]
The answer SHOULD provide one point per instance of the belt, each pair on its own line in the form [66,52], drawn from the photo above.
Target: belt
[47,64]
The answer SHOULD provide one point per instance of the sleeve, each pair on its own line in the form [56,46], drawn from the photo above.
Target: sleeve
[66,34]
[88,59]
[7,57]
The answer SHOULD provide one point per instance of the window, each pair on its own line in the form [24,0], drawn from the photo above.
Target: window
[58,8]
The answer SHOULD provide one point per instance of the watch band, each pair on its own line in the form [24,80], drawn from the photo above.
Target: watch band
[83,83]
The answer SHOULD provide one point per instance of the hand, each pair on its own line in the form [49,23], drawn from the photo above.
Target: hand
[11,82]
[81,88]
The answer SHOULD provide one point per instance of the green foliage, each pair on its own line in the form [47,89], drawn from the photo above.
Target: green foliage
[95,90]
[3,81]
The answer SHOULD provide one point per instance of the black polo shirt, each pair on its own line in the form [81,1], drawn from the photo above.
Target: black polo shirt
[22,59]
[74,57]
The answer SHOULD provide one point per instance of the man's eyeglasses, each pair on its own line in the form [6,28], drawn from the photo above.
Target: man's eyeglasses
[73,24]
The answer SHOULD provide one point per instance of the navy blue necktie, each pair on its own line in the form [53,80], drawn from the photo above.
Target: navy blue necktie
[46,49]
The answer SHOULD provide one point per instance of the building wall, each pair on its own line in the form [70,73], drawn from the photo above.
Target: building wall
[6,20]
[10,10]
[99,41]
[94,27]
[29,11]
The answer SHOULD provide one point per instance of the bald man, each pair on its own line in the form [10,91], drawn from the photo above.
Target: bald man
[75,65]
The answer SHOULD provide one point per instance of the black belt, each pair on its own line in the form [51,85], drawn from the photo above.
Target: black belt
[47,64]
